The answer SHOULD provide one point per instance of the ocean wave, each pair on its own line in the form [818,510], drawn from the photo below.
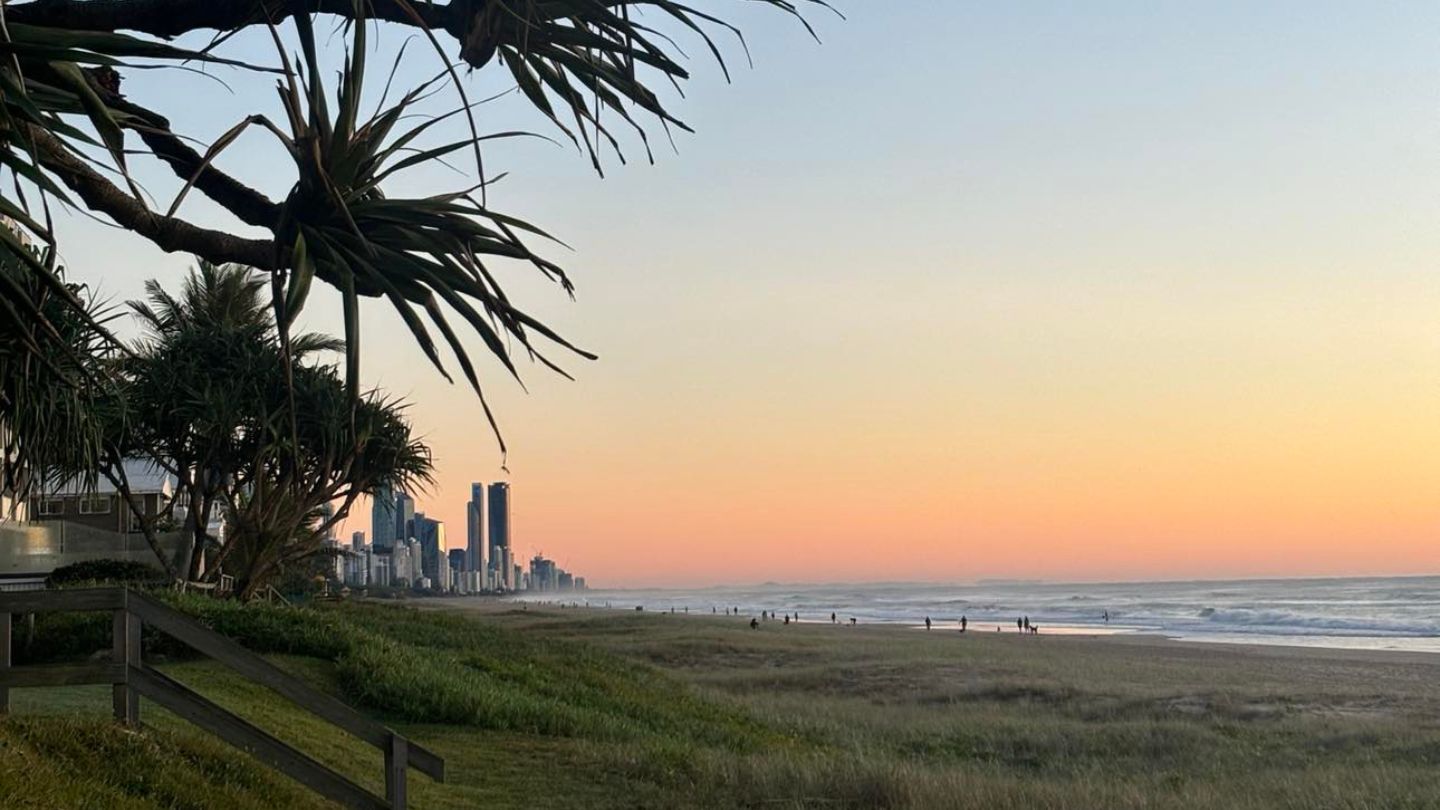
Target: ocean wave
[1274,621]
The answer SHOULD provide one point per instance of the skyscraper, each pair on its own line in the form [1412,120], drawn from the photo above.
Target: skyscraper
[458,570]
[500,534]
[327,516]
[475,529]
[382,518]
[430,534]
[404,517]
[500,514]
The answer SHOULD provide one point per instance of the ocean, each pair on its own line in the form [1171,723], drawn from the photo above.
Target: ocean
[1398,613]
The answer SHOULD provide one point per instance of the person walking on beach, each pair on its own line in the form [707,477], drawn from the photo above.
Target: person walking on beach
[832,617]
[787,618]
[1019,625]
[963,622]
[1027,624]
[754,625]
[1107,617]
[927,622]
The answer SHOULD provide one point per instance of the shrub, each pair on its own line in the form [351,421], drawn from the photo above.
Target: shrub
[103,571]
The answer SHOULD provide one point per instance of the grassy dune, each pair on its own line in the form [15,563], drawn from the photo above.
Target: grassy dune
[574,708]
[912,719]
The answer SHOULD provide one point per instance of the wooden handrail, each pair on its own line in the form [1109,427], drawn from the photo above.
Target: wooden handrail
[204,713]
[62,601]
[231,654]
[131,679]
[99,672]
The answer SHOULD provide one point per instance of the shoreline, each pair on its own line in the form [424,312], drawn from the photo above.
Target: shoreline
[1128,637]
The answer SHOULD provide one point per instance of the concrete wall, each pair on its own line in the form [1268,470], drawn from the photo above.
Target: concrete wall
[36,549]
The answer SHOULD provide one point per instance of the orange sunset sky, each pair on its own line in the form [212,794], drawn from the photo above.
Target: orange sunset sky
[1128,291]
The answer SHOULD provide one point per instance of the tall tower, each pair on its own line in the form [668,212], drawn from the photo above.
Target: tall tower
[500,533]
[404,517]
[430,534]
[475,529]
[382,518]
[327,514]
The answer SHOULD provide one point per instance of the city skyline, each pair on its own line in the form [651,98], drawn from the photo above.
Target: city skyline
[485,561]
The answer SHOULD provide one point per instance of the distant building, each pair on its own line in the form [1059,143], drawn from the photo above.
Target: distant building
[430,534]
[357,562]
[500,554]
[382,518]
[104,508]
[382,566]
[475,529]
[337,553]
[441,579]
[543,574]
[327,523]
[500,568]
[565,581]
[404,517]
[405,567]
[457,558]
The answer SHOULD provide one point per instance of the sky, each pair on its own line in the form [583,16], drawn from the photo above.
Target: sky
[1069,291]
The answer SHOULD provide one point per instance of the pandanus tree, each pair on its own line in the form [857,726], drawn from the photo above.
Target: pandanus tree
[51,370]
[262,438]
[69,135]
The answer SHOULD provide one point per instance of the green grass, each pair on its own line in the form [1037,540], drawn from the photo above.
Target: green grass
[80,763]
[583,709]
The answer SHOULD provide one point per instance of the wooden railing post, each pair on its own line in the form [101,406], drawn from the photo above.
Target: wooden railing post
[396,758]
[133,629]
[125,648]
[4,660]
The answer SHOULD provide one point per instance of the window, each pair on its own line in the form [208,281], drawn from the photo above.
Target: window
[52,506]
[95,504]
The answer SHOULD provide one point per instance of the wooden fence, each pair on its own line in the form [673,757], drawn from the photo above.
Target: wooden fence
[131,679]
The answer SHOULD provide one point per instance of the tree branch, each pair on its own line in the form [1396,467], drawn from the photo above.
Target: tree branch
[121,482]
[171,18]
[246,203]
[170,234]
